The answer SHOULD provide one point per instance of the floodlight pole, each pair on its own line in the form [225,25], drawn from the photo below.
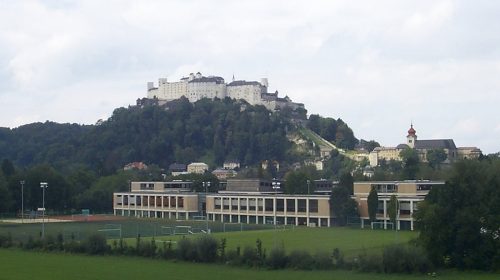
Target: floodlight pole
[276,186]
[22,201]
[206,185]
[43,185]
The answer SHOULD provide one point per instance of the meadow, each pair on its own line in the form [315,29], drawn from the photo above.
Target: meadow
[27,265]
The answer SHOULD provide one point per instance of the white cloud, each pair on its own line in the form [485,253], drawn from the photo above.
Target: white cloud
[376,64]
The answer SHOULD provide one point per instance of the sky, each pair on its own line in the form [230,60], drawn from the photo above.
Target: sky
[377,65]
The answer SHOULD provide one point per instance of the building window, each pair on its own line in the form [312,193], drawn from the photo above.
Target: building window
[313,205]
[301,205]
[217,203]
[243,204]
[181,202]
[290,205]
[269,205]
[280,205]
[252,204]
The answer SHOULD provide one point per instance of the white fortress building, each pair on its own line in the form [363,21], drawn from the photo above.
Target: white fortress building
[196,86]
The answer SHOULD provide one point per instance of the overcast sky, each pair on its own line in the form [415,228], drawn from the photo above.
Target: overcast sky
[378,65]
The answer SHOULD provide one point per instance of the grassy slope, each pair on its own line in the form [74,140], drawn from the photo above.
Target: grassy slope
[21,265]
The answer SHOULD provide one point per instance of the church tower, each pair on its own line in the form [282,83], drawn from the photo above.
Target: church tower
[412,137]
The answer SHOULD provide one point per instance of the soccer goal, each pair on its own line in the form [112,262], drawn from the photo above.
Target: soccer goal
[380,225]
[183,230]
[112,230]
[232,227]
[164,230]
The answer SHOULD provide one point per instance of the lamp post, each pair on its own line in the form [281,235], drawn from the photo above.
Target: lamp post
[22,201]
[206,185]
[308,183]
[276,187]
[308,201]
[43,185]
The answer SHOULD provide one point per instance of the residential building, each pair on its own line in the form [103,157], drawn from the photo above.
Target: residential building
[197,167]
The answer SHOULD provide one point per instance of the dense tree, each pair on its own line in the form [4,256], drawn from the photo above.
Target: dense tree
[7,168]
[296,181]
[410,163]
[341,203]
[392,209]
[335,131]
[459,222]
[435,157]
[177,132]
[372,202]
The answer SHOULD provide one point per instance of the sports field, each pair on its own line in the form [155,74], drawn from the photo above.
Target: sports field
[79,228]
[23,265]
[350,241]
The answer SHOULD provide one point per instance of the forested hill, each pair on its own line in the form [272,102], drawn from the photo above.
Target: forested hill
[183,132]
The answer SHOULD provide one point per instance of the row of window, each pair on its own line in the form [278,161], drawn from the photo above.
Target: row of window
[265,204]
[166,202]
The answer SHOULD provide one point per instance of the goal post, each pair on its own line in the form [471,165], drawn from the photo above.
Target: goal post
[110,229]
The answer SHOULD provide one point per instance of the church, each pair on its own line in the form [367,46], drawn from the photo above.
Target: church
[423,146]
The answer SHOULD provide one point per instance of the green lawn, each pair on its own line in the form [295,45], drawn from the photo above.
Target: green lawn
[22,265]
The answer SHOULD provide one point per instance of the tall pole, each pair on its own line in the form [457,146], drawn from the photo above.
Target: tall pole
[206,184]
[276,186]
[22,201]
[308,201]
[43,185]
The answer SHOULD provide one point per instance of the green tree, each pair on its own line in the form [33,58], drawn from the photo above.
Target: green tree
[459,221]
[341,203]
[435,157]
[372,202]
[392,209]
[410,163]
[8,168]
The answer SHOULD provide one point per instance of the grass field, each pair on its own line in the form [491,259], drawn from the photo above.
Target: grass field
[350,241]
[131,227]
[22,265]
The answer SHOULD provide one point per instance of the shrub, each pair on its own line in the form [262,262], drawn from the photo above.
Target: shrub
[206,249]
[368,263]
[322,260]
[6,240]
[96,245]
[405,259]
[277,258]
[249,256]
[167,252]
[234,256]
[300,259]
[186,250]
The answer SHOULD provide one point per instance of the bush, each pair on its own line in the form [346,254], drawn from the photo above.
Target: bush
[96,245]
[300,259]
[368,263]
[206,249]
[6,240]
[186,250]
[167,252]
[322,260]
[277,258]
[405,259]
[249,256]
[234,256]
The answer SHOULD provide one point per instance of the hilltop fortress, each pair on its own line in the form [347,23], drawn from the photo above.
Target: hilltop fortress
[196,86]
